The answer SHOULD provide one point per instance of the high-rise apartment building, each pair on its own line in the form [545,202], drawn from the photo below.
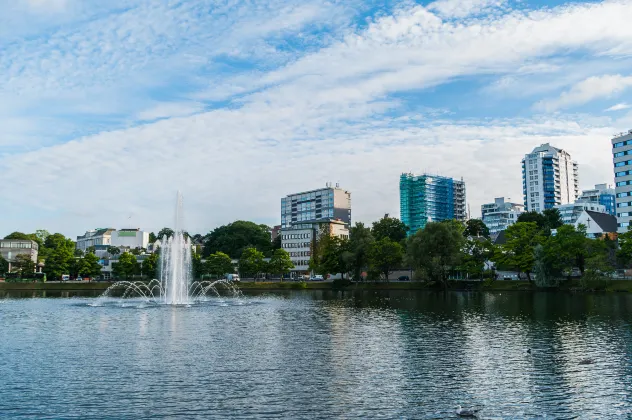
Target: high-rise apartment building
[602,194]
[329,203]
[622,158]
[570,213]
[549,178]
[430,198]
[499,215]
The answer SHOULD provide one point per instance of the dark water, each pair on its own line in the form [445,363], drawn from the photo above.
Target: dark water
[319,355]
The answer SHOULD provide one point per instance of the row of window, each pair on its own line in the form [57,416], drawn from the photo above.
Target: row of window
[626,204]
[624,214]
[19,245]
[624,194]
[623,183]
[297,245]
[300,254]
[622,143]
[623,153]
[623,163]
[296,236]
[299,263]
[622,173]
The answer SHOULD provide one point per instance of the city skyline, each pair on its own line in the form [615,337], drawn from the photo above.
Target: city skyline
[109,109]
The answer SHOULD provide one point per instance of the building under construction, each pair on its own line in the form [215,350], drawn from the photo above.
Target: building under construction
[430,198]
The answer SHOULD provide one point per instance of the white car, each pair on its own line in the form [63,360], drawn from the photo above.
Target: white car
[317,277]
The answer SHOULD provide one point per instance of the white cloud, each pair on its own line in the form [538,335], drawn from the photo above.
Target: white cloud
[618,107]
[170,109]
[463,8]
[587,90]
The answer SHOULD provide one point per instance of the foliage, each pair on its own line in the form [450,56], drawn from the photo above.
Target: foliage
[126,266]
[152,237]
[218,264]
[165,232]
[517,252]
[59,254]
[280,263]
[251,262]
[78,253]
[197,266]
[149,266]
[276,243]
[624,254]
[329,258]
[391,228]
[91,249]
[234,238]
[385,255]
[476,252]
[357,256]
[542,268]
[136,251]
[437,249]
[546,221]
[42,234]
[4,265]
[112,250]
[89,265]
[23,265]
[475,228]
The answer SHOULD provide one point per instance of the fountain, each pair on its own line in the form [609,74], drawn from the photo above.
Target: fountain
[175,285]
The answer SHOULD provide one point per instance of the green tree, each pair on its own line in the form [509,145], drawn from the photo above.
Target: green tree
[149,266]
[360,242]
[475,228]
[565,250]
[532,217]
[517,251]
[136,251]
[89,266]
[23,265]
[552,219]
[219,264]
[476,252]
[624,253]
[78,253]
[385,255]
[391,228]
[197,266]
[126,266]
[437,249]
[330,258]
[165,232]
[4,265]
[276,243]
[42,234]
[234,238]
[91,249]
[251,262]
[18,236]
[152,237]
[59,254]
[280,263]
[113,251]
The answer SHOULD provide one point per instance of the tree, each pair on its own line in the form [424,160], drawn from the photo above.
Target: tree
[42,234]
[23,265]
[251,262]
[280,263]
[565,250]
[112,250]
[437,249]
[59,254]
[391,228]
[552,219]
[19,236]
[136,251]
[476,252]
[91,249]
[165,232]
[89,265]
[330,255]
[198,268]
[532,217]
[517,252]
[126,266]
[276,243]
[624,253]
[475,228]
[149,266]
[152,237]
[234,238]
[4,265]
[385,255]
[219,264]
[360,242]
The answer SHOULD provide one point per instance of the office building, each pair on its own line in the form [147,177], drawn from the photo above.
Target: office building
[602,194]
[549,178]
[100,239]
[430,198]
[622,159]
[11,248]
[320,205]
[571,212]
[300,239]
[130,239]
[499,215]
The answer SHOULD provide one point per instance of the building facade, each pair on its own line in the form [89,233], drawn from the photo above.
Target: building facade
[324,204]
[11,248]
[549,178]
[130,239]
[430,198]
[602,194]
[299,241]
[622,159]
[100,239]
[598,224]
[500,214]
[570,213]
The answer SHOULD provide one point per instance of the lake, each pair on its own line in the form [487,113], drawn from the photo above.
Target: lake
[319,354]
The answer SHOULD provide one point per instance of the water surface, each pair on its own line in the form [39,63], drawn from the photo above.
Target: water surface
[318,354]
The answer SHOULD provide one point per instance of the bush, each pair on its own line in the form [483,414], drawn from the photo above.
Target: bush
[298,285]
[592,280]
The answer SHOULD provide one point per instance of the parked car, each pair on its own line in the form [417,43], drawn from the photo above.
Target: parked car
[403,278]
[317,277]
[232,277]
[65,277]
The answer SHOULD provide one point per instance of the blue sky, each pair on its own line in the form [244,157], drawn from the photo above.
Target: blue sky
[109,108]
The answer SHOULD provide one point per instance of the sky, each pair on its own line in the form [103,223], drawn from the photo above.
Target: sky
[109,108]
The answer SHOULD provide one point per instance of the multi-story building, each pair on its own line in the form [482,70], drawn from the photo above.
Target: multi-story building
[571,212]
[300,239]
[324,204]
[602,194]
[130,239]
[100,239]
[11,248]
[499,215]
[549,178]
[622,159]
[430,198]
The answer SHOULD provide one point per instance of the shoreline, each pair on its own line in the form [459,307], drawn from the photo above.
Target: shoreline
[615,286]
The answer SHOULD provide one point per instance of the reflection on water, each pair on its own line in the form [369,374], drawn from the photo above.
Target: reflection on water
[319,354]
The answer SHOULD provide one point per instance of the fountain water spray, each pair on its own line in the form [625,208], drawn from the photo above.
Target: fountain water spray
[175,262]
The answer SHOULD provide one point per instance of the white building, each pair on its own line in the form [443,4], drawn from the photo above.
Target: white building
[130,239]
[597,224]
[100,239]
[571,212]
[329,203]
[549,178]
[300,239]
[499,215]
[622,159]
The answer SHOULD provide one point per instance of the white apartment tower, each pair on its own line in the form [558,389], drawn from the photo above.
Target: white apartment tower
[549,178]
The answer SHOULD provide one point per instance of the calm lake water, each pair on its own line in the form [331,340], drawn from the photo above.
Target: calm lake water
[319,355]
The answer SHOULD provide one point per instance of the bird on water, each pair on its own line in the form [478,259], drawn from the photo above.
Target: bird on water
[464,412]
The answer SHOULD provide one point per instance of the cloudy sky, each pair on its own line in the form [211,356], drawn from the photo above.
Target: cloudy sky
[108,108]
